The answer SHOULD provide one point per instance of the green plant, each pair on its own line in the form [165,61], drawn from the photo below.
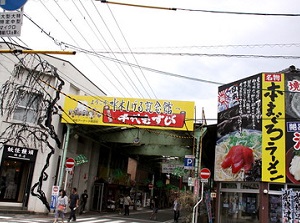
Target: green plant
[187,201]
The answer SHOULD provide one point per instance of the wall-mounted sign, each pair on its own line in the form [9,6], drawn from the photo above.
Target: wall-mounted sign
[189,162]
[10,23]
[259,129]
[20,153]
[169,168]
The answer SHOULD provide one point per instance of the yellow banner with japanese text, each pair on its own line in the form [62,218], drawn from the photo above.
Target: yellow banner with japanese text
[135,112]
[273,128]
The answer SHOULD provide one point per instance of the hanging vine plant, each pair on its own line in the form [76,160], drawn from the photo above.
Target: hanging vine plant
[25,97]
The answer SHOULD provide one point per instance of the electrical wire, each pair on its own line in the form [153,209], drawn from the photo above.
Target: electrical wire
[209,55]
[235,46]
[78,31]
[62,44]
[70,20]
[219,55]
[134,59]
[205,11]
[146,68]
[131,83]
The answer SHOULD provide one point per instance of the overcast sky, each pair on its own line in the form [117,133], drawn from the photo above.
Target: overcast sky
[182,54]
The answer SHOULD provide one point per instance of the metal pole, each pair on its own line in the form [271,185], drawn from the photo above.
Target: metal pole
[38,51]
[66,180]
[63,160]
[152,190]
[196,205]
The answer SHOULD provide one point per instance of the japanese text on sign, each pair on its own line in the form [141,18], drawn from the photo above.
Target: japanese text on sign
[147,113]
[22,153]
[273,122]
[250,102]
[10,23]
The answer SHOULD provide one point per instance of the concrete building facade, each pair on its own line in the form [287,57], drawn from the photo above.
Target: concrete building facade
[32,139]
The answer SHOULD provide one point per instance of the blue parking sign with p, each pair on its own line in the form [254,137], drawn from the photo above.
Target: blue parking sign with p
[189,162]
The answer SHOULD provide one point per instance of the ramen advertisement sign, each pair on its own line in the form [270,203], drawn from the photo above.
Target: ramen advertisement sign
[129,112]
[259,129]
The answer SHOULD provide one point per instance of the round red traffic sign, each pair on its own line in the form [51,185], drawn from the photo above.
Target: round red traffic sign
[204,173]
[150,186]
[55,189]
[70,162]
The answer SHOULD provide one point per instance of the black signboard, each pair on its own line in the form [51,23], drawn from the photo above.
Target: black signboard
[20,153]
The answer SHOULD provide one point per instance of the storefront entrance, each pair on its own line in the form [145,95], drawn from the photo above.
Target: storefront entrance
[16,174]
[239,203]
[97,195]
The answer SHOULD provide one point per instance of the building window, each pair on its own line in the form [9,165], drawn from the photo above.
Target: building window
[228,185]
[27,108]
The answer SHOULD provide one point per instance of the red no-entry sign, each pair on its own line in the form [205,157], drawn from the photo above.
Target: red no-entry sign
[205,173]
[70,162]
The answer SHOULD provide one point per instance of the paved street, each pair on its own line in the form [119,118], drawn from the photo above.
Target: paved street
[140,216]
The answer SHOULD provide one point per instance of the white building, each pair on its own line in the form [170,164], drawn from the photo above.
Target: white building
[32,138]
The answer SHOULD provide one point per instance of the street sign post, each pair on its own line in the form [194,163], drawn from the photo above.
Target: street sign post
[189,162]
[12,5]
[204,174]
[70,163]
[54,196]
[150,186]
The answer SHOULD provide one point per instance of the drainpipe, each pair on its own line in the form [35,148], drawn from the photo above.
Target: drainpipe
[64,156]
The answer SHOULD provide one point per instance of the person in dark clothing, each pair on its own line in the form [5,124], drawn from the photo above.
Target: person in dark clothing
[73,201]
[83,200]
[155,204]
[2,186]
[176,208]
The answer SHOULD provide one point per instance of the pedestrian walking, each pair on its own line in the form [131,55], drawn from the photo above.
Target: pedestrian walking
[176,208]
[127,203]
[155,204]
[74,201]
[61,206]
[121,203]
[83,199]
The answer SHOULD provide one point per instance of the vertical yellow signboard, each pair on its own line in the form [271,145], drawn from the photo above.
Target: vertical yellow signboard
[273,128]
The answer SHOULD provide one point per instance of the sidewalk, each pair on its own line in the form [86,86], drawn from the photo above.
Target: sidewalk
[27,214]
[163,215]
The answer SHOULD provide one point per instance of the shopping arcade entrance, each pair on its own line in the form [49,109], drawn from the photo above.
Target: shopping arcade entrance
[138,141]
[152,147]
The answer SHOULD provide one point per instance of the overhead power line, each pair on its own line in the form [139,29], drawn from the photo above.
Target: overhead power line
[201,10]
[142,67]
[209,55]
[263,45]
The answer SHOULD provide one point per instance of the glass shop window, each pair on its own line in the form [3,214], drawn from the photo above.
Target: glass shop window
[249,185]
[276,187]
[229,185]
[27,108]
[294,187]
